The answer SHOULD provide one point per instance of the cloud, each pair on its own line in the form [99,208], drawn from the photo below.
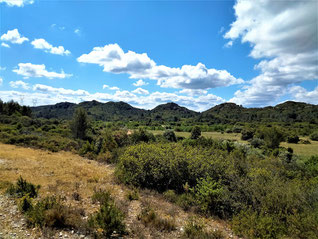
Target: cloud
[229,44]
[14,37]
[18,84]
[284,35]
[60,91]
[5,45]
[140,83]
[193,92]
[77,31]
[2,68]
[113,59]
[301,94]
[47,47]
[111,88]
[31,70]
[44,94]
[141,91]
[1,80]
[17,3]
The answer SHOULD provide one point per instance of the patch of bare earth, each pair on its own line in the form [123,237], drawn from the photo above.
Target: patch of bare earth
[74,179]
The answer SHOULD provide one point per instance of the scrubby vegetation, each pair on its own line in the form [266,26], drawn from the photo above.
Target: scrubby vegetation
[265,196]
[261,188]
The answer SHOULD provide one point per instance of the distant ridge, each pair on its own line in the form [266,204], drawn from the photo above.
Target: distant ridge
[288,111]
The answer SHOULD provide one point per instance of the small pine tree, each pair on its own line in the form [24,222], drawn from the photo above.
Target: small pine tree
[195,132]
[170,135]
[80,123]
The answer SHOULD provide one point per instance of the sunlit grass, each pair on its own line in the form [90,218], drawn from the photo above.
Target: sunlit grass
[299,149]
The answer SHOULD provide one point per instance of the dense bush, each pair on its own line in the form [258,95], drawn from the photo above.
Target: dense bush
[267,197]
[314,136]
[170,136]
[293,139]
[195,132]
[247,134]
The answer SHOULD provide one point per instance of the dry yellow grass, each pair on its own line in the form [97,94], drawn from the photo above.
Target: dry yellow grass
[303,149]
[61,172]
[214,135]
[64,173]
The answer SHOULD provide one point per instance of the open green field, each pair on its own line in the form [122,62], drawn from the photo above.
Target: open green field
[299,149]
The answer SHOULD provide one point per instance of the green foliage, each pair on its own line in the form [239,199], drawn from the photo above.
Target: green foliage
[195,132]
[23,188]
[80,124]
[142,135]
[208,194]
[25,204]
[12,107]
[170,136]
[257,143]
[265,196]
[293,139]
[247,134]
[272,136]
[109,218]
[314,136]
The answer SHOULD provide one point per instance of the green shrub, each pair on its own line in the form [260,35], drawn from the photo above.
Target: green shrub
[195,132]
[314,136]
[170,136]
[208,194]
[109,218]
[23,188]
[257,143]
[25,204]
[292,139]
[142,135]
[247,134]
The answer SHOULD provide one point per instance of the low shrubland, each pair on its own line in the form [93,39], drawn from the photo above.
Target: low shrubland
[264,197]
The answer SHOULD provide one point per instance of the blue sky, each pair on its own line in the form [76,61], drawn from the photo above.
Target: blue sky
[195,53]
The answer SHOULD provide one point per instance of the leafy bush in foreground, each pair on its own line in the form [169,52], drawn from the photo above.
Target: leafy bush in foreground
[109,218]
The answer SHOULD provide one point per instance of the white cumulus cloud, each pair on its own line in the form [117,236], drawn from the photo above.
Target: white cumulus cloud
[5,45]
[61,91]
[301,94]
[284,35]
[141,91]
[31,70]
[17,3]
[110,87]
[19,84]
[14,37]
[113,59]
[140,83]
[47,47]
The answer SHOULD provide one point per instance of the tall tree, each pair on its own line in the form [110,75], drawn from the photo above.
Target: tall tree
[80,124]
